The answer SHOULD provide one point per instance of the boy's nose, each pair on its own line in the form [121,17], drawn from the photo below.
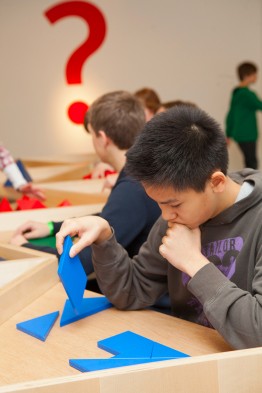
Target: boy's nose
[168,216]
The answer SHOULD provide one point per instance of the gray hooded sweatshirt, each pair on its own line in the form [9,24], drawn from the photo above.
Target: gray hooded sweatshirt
[225,294]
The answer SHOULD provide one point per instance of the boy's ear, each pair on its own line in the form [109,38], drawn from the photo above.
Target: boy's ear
[218,181]
[104,138]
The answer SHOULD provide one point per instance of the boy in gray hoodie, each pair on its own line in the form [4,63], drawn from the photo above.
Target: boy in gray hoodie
[206,249]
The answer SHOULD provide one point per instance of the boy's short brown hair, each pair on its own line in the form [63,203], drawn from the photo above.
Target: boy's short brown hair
[246,69]
[119,114]
[149,99]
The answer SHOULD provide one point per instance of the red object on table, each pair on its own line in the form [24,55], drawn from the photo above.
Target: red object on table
[5,206]
[65,202]
[26,203]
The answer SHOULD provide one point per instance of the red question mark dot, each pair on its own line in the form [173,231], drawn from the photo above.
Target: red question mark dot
[76,112]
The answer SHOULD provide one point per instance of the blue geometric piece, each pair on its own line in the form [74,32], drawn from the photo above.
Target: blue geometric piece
[132,345]
[127,344]
[72,275]
[88,307]
[129,349]
[39,327]
[85,365]
[24,172]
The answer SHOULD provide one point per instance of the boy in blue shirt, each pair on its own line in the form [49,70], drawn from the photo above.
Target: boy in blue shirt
[113,120]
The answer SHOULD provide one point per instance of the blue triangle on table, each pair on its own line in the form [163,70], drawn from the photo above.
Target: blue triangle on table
[160,351]
[85,365]
[88,307]
[39,327]
[72,275]
[23,171]
[130,344]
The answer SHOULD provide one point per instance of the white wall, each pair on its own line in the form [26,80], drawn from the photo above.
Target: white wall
[185,49]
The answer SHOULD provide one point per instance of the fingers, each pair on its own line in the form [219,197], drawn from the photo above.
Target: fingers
[27,226]
[78,246]
[40,195]
[30,189]
[60,237]
[69,227]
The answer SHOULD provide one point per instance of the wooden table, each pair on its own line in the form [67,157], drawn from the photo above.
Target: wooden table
[24,358]
[30,366]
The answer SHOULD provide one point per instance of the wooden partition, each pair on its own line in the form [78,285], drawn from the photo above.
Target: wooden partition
[24,275]
[9,221]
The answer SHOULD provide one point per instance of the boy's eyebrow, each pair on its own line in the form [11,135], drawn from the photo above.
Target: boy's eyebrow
[168,201]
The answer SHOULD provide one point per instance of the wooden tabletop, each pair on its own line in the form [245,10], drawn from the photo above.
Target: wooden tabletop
[11,220]
[24,358]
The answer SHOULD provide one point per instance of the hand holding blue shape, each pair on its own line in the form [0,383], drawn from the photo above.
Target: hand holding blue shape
[72,276]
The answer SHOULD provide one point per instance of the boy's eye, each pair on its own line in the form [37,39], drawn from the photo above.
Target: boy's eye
[175,206]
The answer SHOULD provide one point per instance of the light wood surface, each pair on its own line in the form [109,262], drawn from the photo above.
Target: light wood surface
[9,221]
[55,196]
[89,158]
[88,186]
[55,172]
[24,358]
[24,275]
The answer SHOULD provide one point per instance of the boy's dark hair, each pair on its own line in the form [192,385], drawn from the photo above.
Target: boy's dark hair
[181,148]
[171,104]
[246,69]
[149,98]
[119,114]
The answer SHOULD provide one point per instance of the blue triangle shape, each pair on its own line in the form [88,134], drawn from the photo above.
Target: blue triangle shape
[160,351]
[131,345]
[88,307]
[127,344]
[39,327]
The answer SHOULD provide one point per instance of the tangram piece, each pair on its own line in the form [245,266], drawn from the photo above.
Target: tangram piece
[39,327]
[130,349]
[89,307]
[87,176]
[24,172]
[85,365]
[72,276]
[5,205]
[129,344]
[65,202]
[26,203]
[108,173]
[105,174]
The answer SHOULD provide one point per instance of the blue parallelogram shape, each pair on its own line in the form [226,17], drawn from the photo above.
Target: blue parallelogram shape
[72,276]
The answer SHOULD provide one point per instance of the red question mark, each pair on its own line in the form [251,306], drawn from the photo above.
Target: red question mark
[97,31]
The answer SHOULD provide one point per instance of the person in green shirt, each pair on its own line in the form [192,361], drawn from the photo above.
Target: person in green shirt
[241,121]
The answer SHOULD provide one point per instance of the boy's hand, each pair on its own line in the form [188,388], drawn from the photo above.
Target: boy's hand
[33,230]
[32,191]
[182,248]
[89,229]
[18,240]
